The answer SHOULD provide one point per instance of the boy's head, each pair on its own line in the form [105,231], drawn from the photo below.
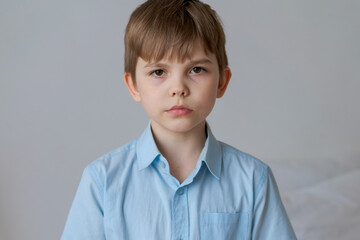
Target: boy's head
[160,29]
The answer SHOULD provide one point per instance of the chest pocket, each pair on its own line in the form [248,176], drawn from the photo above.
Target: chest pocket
[224,226]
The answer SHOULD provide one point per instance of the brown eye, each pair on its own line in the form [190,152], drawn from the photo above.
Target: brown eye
[197,70]
[158,73]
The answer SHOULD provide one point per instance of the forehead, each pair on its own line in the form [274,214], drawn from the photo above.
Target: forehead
[196,56]
[193,52]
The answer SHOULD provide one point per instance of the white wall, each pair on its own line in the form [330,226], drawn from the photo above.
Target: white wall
[293,95]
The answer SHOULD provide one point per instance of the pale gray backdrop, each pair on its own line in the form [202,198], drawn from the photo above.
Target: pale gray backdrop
[294,94]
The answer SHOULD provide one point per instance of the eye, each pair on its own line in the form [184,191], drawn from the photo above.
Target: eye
[158,73]
[197,70]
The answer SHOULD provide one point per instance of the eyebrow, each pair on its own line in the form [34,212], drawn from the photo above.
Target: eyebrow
[201,61]
[194,62]
[156,64]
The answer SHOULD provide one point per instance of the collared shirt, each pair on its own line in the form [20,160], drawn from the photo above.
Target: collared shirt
[130,194]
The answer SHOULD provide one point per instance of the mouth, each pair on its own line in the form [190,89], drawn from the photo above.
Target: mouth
[179,110]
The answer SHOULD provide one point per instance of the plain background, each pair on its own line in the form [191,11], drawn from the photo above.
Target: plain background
[294,95]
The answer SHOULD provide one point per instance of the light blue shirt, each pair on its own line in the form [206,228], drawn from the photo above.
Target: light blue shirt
[130,194]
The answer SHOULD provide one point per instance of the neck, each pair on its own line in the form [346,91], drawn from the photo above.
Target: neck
[181,149]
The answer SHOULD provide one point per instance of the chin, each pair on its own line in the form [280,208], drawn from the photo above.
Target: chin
[185,126]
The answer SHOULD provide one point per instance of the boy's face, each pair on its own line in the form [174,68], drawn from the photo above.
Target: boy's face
[178,96]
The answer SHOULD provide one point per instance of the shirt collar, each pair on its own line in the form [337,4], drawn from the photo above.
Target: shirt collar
[211,154]
[146,148]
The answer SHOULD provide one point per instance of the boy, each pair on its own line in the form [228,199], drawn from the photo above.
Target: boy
[177,181]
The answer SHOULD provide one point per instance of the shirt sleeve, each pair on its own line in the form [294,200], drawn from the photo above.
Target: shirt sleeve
[85,220]
[270,221]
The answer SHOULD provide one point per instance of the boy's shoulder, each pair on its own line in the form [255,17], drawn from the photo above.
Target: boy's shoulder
[233,155]
[120,158]
[245,166]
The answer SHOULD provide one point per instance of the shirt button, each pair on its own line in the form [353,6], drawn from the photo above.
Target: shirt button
[162,164]
[181,191]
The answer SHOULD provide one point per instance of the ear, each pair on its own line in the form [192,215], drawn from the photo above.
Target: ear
[223,82]
[131,85]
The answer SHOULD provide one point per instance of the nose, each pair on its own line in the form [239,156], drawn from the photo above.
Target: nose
[178,92]
[178,88]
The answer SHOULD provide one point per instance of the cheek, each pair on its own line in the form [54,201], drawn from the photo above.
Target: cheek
[207,100]
[151,99]
[209,96]
[146,91]
[209,91]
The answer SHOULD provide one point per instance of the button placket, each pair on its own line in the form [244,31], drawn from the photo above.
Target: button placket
[180,226]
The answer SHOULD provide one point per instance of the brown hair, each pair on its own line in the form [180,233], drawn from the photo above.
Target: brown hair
[169,28]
